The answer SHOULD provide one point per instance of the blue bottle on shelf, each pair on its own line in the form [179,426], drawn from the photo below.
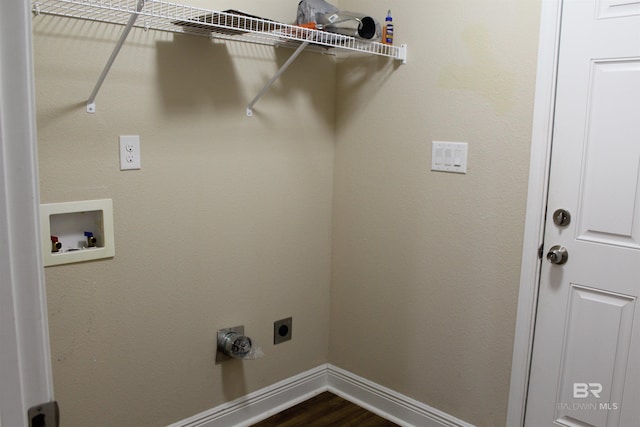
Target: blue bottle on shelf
[388,29]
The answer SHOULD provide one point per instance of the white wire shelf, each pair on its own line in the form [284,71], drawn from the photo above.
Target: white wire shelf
[229,25]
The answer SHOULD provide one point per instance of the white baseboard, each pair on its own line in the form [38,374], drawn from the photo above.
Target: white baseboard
[380,400]
[261,404]
[395,407]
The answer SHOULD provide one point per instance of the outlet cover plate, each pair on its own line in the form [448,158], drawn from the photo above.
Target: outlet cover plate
[282,330]
[129,152]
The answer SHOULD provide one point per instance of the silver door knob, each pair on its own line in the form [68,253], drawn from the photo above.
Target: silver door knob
[557,255]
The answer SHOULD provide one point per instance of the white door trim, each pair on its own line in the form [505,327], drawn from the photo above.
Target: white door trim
[541,138]
[25,366]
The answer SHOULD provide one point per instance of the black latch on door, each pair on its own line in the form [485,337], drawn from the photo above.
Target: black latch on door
[44,415]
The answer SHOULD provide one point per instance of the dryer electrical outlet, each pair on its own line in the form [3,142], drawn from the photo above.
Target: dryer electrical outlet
[449,157]
[129,152]
[282,330]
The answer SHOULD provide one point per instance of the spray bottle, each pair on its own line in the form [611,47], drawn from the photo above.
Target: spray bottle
[387,37]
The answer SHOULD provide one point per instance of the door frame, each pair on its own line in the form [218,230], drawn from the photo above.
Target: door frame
[25,368]
[540,160]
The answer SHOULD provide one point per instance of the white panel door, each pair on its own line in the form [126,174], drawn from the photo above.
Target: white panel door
[585,369]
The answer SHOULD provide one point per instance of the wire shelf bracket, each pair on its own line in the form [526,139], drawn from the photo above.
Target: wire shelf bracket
[275,77]
[232,25]
[91,102]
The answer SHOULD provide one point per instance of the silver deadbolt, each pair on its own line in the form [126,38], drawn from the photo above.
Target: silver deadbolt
[561,218]
[557,255]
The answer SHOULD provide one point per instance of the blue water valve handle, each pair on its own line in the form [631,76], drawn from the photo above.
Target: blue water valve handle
[91,241]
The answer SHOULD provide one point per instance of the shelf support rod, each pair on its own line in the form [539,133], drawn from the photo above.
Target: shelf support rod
[282,69]
[91,102]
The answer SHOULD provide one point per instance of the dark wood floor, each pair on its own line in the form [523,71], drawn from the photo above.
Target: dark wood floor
[325,410]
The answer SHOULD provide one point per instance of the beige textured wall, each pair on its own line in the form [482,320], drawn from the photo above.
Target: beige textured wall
[425,264]
[227,223]
[230,219]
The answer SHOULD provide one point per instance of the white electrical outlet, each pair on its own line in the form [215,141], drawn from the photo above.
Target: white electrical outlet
[129,152]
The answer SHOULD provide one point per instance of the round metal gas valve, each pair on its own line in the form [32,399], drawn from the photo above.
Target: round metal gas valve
[557,255]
